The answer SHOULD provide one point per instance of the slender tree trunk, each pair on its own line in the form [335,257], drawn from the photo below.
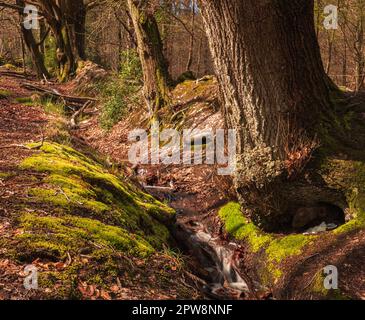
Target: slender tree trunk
[275,89]
[150,49]
[359,48]
[65,54]
[23,53]
[199,57]
[192,37]
[31,44]
[331,40]
[318,16]
[75,17]
[344,65]
[42,35]
[331,45]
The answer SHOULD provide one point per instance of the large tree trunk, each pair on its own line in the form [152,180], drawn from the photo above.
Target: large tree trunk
[275,91]
[150,48]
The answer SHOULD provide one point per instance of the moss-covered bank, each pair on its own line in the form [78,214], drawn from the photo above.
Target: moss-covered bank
[275,254]
[77,210]
[274,249]
[75,184]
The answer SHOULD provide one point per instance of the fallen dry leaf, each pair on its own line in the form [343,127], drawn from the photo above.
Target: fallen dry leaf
[105,295]
[114,288]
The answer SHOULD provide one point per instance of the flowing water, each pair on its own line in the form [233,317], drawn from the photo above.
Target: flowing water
[215,260]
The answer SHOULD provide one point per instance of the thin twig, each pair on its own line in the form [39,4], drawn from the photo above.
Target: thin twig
[78,113]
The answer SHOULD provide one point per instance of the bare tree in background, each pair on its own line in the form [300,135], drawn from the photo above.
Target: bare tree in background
[150,49]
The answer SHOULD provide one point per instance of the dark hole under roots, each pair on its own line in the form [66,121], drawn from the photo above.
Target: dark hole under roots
[304,218]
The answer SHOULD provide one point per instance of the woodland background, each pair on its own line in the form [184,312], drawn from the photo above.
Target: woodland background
[109,30]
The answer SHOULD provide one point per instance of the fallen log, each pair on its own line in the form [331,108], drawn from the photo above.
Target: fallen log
[73,100]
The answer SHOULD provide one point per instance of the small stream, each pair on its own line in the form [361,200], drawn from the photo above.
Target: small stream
[212,259]
[215,261]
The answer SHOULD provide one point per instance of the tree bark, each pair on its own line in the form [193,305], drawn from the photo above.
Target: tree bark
[75,15]
[150,49]
[66,19]
[275,90]
[31,44]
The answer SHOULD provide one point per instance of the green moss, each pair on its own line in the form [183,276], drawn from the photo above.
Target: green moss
[66,283]
[57,131]
[5,94]
[76,185]
[277,248]
[27,101]
[237,226]
[283,248]
[63,283]
[5,175]
[68,199]
[69,234]
[10,67]
[348,177]
[357,223]
[52,107]
[86,227]
[317,287]
[191,87]
[287,246]
[52,238]
[50,60]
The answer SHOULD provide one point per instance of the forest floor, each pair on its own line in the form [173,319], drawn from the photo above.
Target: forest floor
[162,275]
[197,193]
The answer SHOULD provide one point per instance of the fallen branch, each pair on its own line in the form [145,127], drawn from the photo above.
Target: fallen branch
[13,74]
[22,146]
[73,100]
[74,117]
[60,190]
[159,188]
[46,80]
[69,259]
[10,146]
[195,278]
